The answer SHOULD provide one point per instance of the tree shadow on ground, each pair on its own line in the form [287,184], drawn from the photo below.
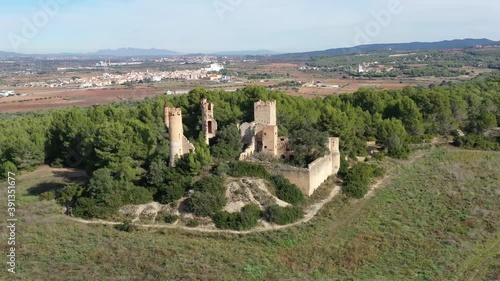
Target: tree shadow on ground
[72,176]
[45,187]
[184,207]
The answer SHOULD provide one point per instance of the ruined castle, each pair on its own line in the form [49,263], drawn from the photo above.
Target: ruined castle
[179,144]
[259,136]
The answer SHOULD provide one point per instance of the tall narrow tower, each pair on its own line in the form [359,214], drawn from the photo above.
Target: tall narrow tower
[179,145]
[265,114]
[209,124]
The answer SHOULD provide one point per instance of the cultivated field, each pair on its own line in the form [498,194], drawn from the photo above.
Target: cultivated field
[39,99]
[434,218]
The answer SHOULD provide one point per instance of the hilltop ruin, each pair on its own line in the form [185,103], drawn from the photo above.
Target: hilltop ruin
[259,136]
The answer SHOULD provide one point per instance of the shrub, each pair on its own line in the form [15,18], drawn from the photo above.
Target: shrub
[282,216]
[89,208]
[357,180]
[246,219]
[356,189]
[206,204]
[249,216]
[210,184]
[47,196]
[69,194]
[169,193]
[287,191]
[137,195]
[127,226]
[344,167]
[226,220]
[221,170]
[193,223]
[170,218]
[476,142]
[245,169]
[379,156]
[7,167]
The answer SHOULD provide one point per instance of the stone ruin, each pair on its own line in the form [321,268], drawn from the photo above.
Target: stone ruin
[179,144]
[259,136]
[209,125]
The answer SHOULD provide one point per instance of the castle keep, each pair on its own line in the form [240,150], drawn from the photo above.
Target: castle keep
[261,136]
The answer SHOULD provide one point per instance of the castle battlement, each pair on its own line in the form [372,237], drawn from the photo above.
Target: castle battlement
[175,112]
[265,112]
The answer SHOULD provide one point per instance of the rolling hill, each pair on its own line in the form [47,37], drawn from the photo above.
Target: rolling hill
[414,46]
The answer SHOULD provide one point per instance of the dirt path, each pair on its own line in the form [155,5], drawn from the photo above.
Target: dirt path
[310,213]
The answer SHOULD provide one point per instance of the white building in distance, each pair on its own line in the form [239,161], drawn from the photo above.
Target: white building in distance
[215,67]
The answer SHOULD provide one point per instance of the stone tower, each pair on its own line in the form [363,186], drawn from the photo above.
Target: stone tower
[265,112]
[209,124]
[179,144]
[267,138]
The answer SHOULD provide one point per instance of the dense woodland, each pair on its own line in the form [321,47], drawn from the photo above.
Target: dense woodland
[124,147]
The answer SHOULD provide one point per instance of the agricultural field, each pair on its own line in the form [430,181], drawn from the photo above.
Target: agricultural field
[433,217]
[332,75]
[42,99]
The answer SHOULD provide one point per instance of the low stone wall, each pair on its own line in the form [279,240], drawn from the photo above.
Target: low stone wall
[249,151]
[310,179]
[298,176]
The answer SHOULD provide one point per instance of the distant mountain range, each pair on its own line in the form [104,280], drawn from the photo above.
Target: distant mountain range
[8,54]
[122,52]
[415,46]
[134,52]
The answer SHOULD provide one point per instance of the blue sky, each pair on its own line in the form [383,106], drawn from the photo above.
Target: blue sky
[227,25]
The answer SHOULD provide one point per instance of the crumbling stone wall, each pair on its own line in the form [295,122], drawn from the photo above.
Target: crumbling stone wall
[310,179]
[209,124]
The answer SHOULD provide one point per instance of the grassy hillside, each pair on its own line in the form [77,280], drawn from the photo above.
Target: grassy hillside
[433,219]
